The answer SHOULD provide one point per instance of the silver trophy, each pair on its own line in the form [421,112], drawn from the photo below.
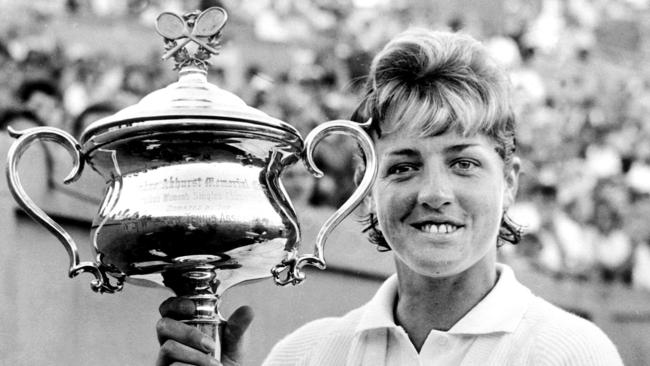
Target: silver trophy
[193,199]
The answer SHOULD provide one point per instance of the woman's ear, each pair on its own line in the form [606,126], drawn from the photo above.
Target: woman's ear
[512,183]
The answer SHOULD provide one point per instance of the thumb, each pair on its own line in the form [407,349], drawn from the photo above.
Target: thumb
[232,335]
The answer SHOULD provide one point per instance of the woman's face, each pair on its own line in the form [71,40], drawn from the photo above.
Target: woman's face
[439,200]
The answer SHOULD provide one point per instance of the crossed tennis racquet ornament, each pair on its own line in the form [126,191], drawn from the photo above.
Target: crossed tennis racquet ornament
[202,28]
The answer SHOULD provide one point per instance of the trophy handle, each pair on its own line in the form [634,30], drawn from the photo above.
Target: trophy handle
[294,264]
[26,138]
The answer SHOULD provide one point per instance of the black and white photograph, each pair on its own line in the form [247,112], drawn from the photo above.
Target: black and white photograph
[325,183]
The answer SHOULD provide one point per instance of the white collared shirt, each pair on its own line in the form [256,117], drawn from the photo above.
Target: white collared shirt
[379,341]
[509,327]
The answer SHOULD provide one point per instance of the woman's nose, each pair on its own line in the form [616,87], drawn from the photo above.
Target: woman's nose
[436,190]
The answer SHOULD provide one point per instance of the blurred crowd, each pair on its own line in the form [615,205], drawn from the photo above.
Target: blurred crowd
[581,90]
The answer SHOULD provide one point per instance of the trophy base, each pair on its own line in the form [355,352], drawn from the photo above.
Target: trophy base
[199,284]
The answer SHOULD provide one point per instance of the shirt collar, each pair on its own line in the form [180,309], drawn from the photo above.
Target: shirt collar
[378,312]
[501,309]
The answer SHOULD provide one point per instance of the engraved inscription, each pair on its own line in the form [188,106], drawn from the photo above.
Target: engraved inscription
[144,225]
[195,194]
[175,183]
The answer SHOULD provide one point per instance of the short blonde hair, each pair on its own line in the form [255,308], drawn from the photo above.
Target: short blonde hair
[429,82]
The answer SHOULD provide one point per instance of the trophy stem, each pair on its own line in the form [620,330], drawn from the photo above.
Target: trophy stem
[199,284]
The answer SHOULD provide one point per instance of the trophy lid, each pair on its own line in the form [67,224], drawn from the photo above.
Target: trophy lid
[191,102]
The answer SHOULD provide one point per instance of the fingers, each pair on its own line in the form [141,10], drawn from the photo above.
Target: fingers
[185,344]
[174,353]
[238,322]
[170,329]
[178,308]
[232,336]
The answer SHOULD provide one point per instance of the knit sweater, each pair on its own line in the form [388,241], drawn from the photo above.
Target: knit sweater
[544,335]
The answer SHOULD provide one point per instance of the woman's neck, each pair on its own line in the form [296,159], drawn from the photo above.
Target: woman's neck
[426,303]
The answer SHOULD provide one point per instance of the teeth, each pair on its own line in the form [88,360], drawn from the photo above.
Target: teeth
[439,229]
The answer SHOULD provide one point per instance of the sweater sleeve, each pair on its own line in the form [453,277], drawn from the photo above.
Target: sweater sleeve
[572,341]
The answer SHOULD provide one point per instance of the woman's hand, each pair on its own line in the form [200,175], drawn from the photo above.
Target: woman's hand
[183,344]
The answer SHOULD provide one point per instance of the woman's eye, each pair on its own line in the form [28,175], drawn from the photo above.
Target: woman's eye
[401,169]
[464,164]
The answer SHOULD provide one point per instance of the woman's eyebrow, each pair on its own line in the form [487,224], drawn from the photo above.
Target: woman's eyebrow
[459,147]
[408,152]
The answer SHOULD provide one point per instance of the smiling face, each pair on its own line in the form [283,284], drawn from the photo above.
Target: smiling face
[439,200]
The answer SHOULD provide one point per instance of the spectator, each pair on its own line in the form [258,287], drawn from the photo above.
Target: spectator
[612,245]
[43,99]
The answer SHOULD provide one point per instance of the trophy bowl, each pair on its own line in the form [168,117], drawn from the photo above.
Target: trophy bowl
[193,199]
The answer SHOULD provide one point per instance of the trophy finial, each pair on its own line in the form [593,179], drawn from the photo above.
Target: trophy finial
[202,28]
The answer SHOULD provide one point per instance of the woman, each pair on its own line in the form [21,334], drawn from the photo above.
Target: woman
[444,135]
